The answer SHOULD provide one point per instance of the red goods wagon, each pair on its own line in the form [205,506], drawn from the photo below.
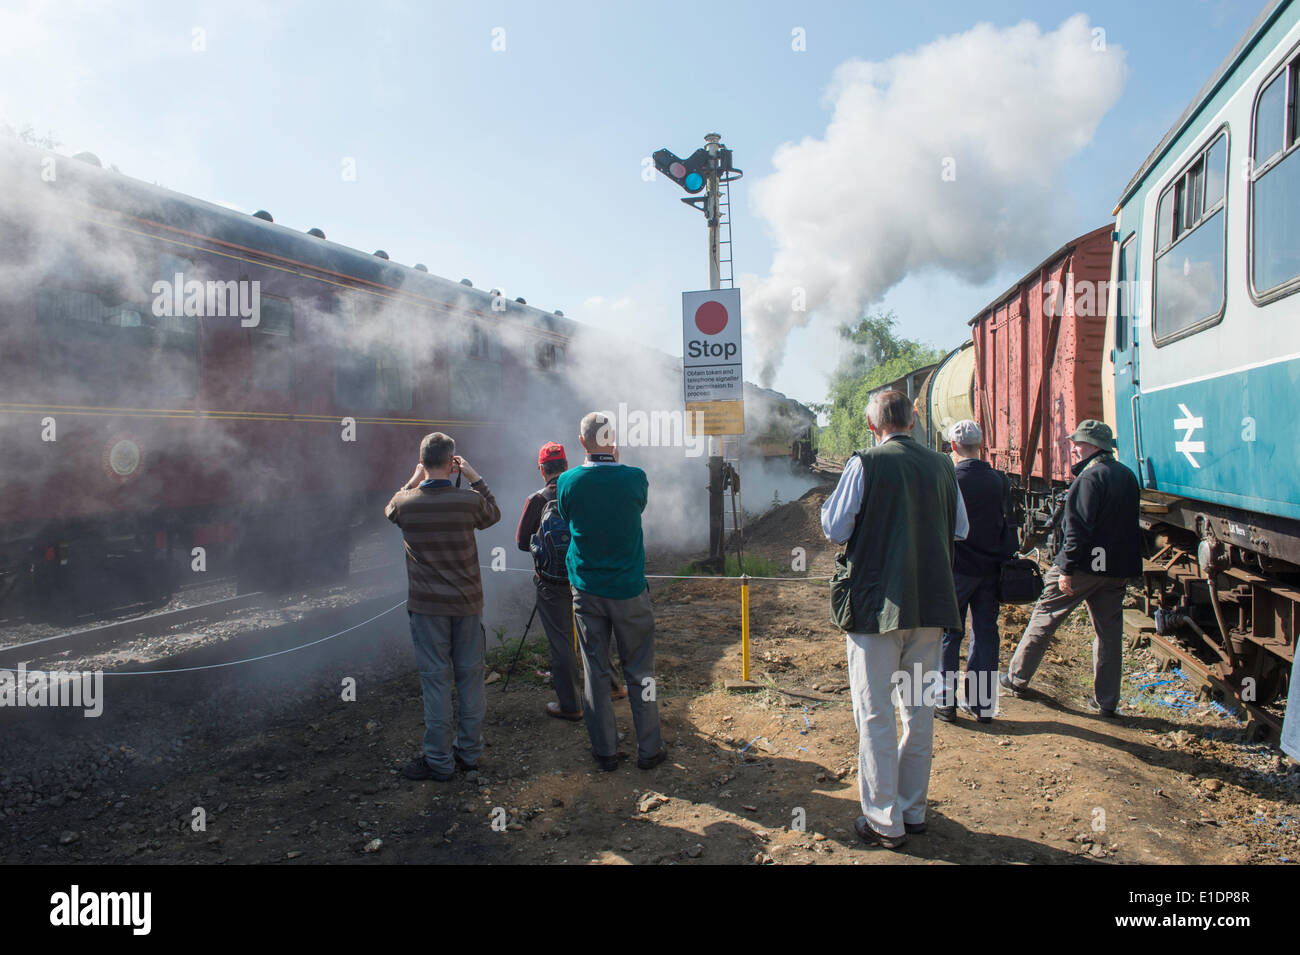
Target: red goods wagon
[1038,358]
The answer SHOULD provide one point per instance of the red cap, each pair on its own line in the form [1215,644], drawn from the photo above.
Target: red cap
[550,452]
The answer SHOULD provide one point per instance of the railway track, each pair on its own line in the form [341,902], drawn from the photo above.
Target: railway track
[105,636]
[1262,723]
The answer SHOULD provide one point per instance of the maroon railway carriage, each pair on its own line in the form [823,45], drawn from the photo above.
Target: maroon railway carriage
[143,413]
[1038,354]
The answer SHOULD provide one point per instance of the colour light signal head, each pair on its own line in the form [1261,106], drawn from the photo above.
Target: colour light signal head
[688,173]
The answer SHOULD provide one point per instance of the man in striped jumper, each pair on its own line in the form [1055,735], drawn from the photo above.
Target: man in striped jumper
[444,602]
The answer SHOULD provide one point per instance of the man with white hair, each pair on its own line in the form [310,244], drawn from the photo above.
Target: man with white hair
[602,500]
[1102,549]
[977,561]
[897,510]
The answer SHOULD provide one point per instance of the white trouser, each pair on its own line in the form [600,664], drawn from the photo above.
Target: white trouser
[893,773]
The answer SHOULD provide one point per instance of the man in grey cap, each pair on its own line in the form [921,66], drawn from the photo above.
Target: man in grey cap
[1102,550]
[976,563]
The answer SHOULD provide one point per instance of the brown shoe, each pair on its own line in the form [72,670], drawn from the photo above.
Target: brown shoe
[553,709]
[619,694]
[873,838]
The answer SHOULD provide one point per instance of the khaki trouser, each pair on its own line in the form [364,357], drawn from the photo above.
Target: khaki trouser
[893,773]
[1105,599]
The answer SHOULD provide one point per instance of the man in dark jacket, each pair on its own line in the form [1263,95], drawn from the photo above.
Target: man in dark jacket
[897,510]
[554,598]
[1102,550]
[975,566]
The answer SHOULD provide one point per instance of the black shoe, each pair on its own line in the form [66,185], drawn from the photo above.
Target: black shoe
[1095,707]
[873,838]
[419,770]
[462,766]
[946,713]
[653,761]
[914,828]
[965,708]
[607,763]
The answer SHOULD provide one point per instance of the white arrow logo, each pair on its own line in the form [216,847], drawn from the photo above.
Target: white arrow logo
[1188,423]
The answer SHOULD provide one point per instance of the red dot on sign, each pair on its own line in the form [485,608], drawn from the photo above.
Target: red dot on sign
[711,317]
[677,169]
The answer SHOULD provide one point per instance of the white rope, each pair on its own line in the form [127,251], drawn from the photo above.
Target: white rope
[265,656]
[384,613]
[525,570]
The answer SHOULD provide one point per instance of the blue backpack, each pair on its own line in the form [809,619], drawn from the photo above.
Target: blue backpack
[550,544]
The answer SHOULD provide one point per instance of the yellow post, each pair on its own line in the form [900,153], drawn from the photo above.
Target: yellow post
[744,628]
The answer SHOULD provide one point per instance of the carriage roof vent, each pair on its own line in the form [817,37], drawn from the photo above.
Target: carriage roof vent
[558,313]
[381,253]
[467,282]
[420,267]
[90,159]
[495,291]
[263,214]
[521,301]
[316,232]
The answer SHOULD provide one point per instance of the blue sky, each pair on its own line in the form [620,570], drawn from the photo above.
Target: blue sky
[521,168]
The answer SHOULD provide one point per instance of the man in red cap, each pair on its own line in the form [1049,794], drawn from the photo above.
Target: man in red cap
[543,532]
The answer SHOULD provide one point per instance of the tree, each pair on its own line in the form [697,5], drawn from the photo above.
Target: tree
[874,355]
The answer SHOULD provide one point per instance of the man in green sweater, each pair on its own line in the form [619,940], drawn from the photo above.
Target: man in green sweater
[602,500]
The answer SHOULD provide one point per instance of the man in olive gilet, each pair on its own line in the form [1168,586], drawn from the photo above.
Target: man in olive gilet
[897,510]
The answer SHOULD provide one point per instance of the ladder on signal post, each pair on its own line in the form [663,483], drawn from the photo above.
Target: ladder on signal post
[726,269]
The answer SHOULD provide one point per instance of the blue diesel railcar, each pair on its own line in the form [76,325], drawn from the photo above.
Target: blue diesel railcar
[1204,327]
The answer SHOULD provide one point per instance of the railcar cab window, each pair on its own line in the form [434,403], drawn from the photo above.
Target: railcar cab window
[271,366]
[1124,295]
[1190,246]
[371,371]
[1275,187]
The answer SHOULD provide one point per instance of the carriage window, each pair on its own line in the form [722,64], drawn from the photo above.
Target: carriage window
[371,371]
[1270,121]
[1275,191]
[272,345]
[1165,221]
[98,345]
[549,355]
[1189,281]
[481,344]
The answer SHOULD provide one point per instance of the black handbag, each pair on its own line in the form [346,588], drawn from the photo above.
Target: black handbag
[1019,581]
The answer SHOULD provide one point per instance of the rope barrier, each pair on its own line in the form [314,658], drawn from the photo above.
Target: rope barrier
[527,570]
[264,656]
[743,581]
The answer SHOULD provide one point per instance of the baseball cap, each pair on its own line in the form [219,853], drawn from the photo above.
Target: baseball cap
[1091,431]
[965,432]
[551,451]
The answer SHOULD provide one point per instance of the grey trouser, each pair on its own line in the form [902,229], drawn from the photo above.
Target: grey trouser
[632,623]
[555,608]
[447,648]
[893,773]
[1105,599]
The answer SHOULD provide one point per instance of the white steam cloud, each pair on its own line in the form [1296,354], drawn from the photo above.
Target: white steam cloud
[949,157]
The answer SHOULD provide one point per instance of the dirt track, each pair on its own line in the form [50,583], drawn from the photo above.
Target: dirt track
[315,781]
